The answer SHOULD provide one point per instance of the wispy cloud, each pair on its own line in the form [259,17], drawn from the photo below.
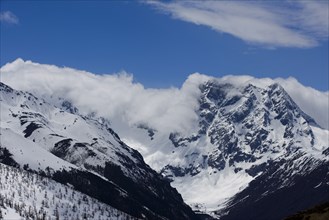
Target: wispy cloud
[8,17]
[300,24]
[314,17]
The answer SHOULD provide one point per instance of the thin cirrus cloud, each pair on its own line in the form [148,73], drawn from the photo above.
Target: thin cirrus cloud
[8,17]
[300,24]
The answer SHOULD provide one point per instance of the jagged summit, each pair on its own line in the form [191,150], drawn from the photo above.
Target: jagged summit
[242,126]
[240,132]
[244,140]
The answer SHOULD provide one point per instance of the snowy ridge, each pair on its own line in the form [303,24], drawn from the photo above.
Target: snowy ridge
[295,184]
[24,195]
[56,141]
[241,130]
[45,126]
[232,136]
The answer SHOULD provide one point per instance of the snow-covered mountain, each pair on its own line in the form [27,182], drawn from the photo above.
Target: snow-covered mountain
[242,133]
[25,195]
[82,151]
[228,145]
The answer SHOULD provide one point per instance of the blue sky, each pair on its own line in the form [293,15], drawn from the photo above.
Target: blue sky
[161,43]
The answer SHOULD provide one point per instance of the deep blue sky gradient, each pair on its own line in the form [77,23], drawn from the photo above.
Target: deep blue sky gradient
[109,36]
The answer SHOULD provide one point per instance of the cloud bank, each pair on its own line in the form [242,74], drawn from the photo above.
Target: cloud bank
[300,24]
[8,17]
[120,99]
[115,96]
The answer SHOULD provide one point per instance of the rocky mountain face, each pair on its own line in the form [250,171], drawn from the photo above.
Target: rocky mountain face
[287,187]
[253,148]
[251,152]
[245,127]
[84,153]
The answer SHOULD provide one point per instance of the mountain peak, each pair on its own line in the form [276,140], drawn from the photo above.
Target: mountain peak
[242,131]
[85,153]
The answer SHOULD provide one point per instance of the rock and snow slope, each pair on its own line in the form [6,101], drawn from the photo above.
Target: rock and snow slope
[24,195]
[242,132]
[85,152]
[218,140]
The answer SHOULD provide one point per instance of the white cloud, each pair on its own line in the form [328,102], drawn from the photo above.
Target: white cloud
[311,101]
[314,17]
[119,98]
[114,96]
[274,24]
[8,17]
